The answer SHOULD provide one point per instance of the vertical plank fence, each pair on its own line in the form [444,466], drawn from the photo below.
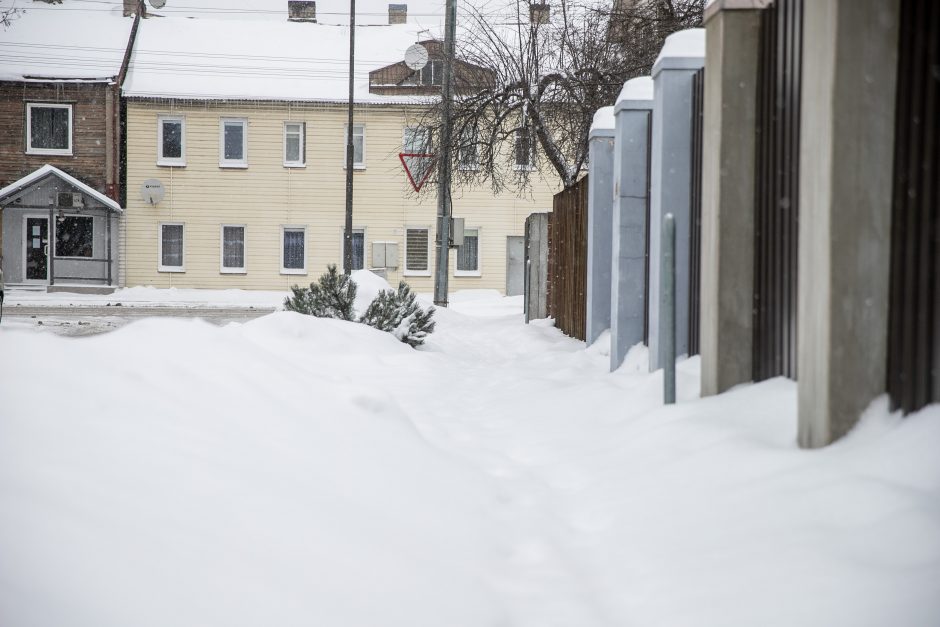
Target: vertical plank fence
[913,370]
[567,260]
[695,212]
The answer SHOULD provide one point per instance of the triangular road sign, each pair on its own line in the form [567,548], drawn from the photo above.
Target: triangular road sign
[418,167]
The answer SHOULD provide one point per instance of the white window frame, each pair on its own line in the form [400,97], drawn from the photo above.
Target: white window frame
[479,271]
[471,167]
[233,163]
[365,245]
[171,161]
[160,266]
[301,162]
[293,227]
[356,165]
[411,149]
[29,129]
[222,268]
[406,270]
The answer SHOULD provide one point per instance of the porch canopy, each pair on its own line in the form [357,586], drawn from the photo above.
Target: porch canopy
[57,228]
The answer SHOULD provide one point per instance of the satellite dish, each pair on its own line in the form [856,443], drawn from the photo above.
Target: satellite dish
[157,4]
[152,191]
[416,56]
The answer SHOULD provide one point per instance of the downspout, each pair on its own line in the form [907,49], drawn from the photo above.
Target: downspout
[114,117]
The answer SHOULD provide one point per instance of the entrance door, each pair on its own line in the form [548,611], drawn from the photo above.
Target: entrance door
[36,258]
[515,265]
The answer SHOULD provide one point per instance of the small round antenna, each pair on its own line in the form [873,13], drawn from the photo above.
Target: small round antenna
[158,4]
[416,56]
[152,191]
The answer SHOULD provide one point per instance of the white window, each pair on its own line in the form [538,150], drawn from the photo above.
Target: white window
[417,251]
[416,140]
[293,250]
[75,236]
[358,247]
[48,129]
[432,73]
[171,140]
[295,155]
[467,156]
[233,248]
[233,143]
[468,255]
[171,248]
[359,146]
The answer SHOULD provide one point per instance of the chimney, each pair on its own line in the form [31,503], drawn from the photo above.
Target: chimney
[397,13]
[539,13]
[130,7]
[301,11]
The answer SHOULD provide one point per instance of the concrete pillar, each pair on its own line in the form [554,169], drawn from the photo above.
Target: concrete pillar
[630,197]
[682,55]
[600,207]
[732,38]
[846,159]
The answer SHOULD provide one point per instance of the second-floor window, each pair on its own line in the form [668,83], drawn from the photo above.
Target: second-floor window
[359,146]
[171,140]
[294,153]
[467,157]
[49,129]
[233,143]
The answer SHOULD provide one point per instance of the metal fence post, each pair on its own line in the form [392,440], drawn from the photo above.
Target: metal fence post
[668,315]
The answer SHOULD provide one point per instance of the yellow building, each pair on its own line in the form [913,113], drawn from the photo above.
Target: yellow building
[248,145]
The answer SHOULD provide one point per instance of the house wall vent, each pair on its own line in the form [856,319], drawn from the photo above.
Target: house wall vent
[69,199]
[397,13]
[301,11]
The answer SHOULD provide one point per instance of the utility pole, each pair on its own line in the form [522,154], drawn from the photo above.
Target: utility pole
[350,150]
[444,161]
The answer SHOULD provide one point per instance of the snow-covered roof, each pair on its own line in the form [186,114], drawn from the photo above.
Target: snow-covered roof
[47,170]
[62,42]
[684,49]
[261,59]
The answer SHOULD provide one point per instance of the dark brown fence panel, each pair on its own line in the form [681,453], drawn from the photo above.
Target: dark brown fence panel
[567,263]
[695,216]
[776,216]
[914,310]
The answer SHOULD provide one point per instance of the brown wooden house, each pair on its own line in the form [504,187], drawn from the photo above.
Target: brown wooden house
[399,80]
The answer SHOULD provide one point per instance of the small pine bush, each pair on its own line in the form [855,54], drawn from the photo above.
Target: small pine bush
[398,313]
[332,296]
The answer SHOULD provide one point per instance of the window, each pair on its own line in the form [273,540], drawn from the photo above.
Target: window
[171,140]
[416,251]
[293,251]
[468,255]
[233,248]
[432,73]
[524,146]
[358,249]
[171,248]
[233,143]
[416,140]
[74,236]
[49,129]
[359,146]
[467,158]
[295,154]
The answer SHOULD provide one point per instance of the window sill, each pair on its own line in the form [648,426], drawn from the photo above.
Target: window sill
[468,273]
[233,271]
[295,165]
[49,152]
[234,166]
[171,164]
[357,168]
[170,269]
[293,272]
[524,168]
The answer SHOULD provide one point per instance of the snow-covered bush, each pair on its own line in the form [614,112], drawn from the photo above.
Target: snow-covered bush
[332,296]
[398,313]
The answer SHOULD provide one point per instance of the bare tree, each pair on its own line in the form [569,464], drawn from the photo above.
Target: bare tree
[545,76]
[8,14]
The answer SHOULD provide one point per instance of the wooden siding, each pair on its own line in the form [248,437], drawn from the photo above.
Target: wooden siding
[87,161]
[266,196]
[567,260]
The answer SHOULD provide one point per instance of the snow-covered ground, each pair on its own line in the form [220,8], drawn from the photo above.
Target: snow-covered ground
[296,471]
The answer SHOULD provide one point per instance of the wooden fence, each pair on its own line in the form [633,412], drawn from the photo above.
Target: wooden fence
[567,260]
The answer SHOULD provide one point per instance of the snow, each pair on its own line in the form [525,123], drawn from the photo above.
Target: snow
[209,59]
[689,43]
[148,297]
[603,119]
[640,88]
[63,42]
[296,471]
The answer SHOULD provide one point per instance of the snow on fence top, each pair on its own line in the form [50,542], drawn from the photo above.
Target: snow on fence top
[51,43]
[603,119]
[207,59]
[640,88]
[684,49]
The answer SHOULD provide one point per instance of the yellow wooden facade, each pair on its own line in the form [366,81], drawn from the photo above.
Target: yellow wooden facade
[267,196]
